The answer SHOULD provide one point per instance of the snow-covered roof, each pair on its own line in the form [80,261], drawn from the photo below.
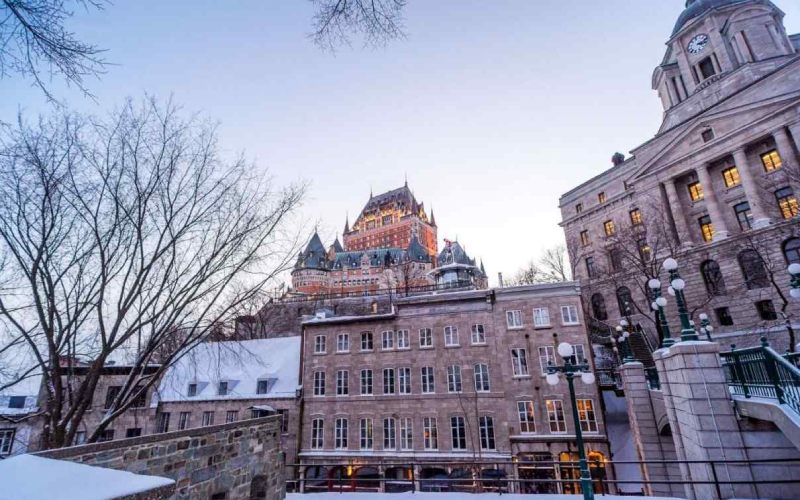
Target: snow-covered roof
[28,477]
[27,388]
[239,363]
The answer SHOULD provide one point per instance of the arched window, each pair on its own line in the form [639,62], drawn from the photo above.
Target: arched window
[753,269]
[624,300]
[599,307]
[791,250]
[712,277]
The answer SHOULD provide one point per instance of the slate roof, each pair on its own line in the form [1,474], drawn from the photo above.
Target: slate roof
[455,254]
[402,195]
[696,8]
[314,256]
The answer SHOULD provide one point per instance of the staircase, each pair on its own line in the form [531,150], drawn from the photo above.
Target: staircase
[641,348]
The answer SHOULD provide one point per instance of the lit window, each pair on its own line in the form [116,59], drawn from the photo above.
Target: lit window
[555,416]
[569,315]
[451,336]
[731,177]
[787,202]
[706,227]
[585,238]
[541,317]
[743,215]
[478,334]
[608,227]
[645,252]
[771,161]
[636,216]
[586,415]
[486,426]
[525,412]
[601,197]
[519,362]
[430,433]
[514,319]
[695,191]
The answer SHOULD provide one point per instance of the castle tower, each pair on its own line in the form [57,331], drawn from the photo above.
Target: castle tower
[311,273]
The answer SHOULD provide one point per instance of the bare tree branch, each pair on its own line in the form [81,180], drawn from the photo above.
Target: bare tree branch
[378,21]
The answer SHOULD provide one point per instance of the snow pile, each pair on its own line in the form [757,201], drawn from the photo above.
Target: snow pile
[27,477]
[448,496]
[239,363]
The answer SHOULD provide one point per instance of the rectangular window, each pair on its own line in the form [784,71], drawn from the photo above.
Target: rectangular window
[787,202]
[140,398]
[111,394]
[771,161]
[486,426]
[284,420]
[387,340]
[591,272]
[458,433]
[425,337]
[519,362]
[743,215]
[319,383]
[263,385]
[555,415]
[514,319]
[163,422]
[731,177]
[481,377]
[547,355]
[608,228]
[636,217]
[222,388]
[578,208]
[388,381]
[585,238]
[191,391]
[17,401]
[6,441]
[340,433]
[343,342]
[231,416]
[586,415]
[208,418]
[317,433]
[579,353]
[406,434]
[403,340]
[106,435]
[428,381]
[569,315]
[601,197]
[707,134]
[342,383]
[525,412]
[319,344]
[404,380]
[478,334]
[541,317]
[454,378]
[766,310]
[724,317]
[451,336]
[695,191]
[645,252]
[366,341]
[184,419]
[389,434]
[430,433]
[366,382]
[706,67]
[80,438]
[706,227]
[366,434]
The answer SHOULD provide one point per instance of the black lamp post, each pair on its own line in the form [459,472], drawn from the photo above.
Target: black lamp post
[658,305]
[621,339]
[677,284]
[571,367]
[705,326]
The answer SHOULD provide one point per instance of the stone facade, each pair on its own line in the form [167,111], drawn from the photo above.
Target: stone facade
[240,460]
[720,177]
[415,377]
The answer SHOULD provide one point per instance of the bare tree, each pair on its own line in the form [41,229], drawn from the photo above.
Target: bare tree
[552,266]
[35,43]
[127,239]
[378,21]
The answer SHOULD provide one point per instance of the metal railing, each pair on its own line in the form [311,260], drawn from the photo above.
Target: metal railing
[386,292]
[651,374]
[608,378]
[762,372]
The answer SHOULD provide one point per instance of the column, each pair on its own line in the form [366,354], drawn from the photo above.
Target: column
[786,151]
[678,215]
[710,197]
[751,189]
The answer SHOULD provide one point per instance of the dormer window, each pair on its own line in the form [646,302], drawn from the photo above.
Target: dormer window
[222,388]
[192,390]
[16,402]
[264,385]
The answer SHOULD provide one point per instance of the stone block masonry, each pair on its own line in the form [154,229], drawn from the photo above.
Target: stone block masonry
[231,461]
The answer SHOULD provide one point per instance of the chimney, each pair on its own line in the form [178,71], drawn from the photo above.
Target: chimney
[617,158]
[500,279]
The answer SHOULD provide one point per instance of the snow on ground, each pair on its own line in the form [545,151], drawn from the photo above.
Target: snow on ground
[448,496]
[27,477]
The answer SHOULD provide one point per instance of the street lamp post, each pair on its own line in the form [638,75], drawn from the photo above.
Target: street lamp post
[677,284]
[705,326]
[658,305]
[570,368]
[622,341]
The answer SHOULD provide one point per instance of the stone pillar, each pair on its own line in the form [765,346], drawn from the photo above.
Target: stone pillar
[678,215]
[710,197]
[786,151]
[703,421]
[751,189]
[794,128]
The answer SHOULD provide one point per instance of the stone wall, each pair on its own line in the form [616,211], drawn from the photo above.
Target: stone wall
[231,461]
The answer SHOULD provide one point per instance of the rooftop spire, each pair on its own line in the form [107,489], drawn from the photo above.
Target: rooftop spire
[433,218]
[346,224]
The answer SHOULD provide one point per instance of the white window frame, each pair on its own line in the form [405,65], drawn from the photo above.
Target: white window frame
[547,353]
[451,336]
[428,377]
[458,432]
[371,342]
[387,340]
[572,317]
[184,418]
[403,339]
[478,336]
[365,434]
[319,383]
[514,319]
[320,344]
[389,389]
[6,441]
[519,362]
[541,317]
[208,419]
[404,380]
[486,432]
[389,433]
[366,376]
[553,406]
[481,377]
[579,352]
[430,434]
[317,433]
[343,342]
[425,338]
[527,417]
[340,433]
[587,424]
[454,381]
[406,433]
[342,383]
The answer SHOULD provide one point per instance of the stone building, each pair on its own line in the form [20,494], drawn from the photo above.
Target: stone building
[392,245]
[19,426]
[445,385]
[716,187]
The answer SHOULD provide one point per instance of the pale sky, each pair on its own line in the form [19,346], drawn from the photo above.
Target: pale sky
[492,108]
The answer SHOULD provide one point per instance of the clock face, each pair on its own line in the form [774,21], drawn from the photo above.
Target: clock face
[698,43]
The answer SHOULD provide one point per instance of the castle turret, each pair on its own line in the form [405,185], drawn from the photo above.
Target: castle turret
[311,272]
